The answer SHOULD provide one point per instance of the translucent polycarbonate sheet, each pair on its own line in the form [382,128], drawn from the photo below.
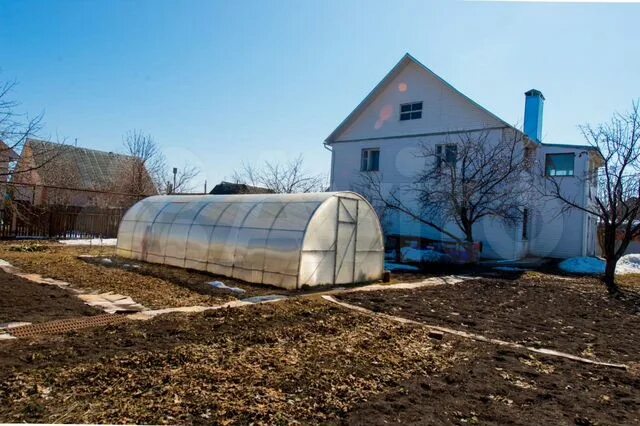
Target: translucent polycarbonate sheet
[295,216]
[321,231]
[169,212]
[284,252]
[287,240]
[317,268]
[368,241]
[198,245]
[188,213]
[176,244]
[263,215]
[367,266]
[210,214]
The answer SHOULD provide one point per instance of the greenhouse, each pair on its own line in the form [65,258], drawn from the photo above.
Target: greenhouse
[285,240]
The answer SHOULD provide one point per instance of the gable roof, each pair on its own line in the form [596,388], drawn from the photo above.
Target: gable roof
[226,188]
[80,168]
[406,59]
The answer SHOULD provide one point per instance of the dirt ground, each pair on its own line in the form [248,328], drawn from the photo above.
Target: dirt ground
[195,281]
[305,360]
[570,315]
[22,300]
[496,386]
[62,262]
[154,286]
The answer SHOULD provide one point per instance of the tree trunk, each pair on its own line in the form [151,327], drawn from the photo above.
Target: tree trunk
[609,251]
[610,276]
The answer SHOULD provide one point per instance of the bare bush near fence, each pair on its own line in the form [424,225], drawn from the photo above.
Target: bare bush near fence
[288,177]
[473,179]
[616,202]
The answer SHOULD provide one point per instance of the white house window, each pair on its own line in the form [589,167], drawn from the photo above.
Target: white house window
[559,164]
[446,154]
[370,160]
[412,111]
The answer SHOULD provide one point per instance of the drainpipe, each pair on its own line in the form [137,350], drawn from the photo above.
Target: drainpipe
[328,148]
[585,201]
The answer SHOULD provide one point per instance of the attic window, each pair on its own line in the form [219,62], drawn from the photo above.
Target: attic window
[412,111]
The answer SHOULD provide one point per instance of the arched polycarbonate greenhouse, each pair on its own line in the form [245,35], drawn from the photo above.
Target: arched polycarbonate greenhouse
[286,240]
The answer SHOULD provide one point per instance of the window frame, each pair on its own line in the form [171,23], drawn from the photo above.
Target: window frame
[369,162]
[525,225]
[442,149]
[547,169]
[411,112]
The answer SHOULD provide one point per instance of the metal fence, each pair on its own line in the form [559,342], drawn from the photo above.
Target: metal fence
[26,221]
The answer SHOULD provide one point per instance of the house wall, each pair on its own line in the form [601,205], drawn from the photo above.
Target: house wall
[445,113]
[29,186]
[444,109]
[558,233]
[398,167]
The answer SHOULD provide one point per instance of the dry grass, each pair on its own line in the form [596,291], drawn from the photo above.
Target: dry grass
[299,361]
[62,262]
[629,282]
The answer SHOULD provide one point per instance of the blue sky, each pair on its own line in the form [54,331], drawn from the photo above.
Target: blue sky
[217,83]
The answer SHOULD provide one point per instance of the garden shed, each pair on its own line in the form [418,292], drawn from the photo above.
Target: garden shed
[286,240]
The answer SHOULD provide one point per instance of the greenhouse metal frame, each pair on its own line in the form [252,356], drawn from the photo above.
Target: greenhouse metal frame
[285,240]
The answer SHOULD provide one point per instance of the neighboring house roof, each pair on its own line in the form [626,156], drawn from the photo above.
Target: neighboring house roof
[81,168]
[227,188]
[7,152]
[406,59]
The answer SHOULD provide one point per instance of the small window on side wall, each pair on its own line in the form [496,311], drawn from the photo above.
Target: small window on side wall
[446,154]
[370,160]
[525,224]
[412,111]
[559,164]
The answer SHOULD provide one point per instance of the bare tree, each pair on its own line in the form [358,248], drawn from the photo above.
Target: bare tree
[615,186]
[463,181]
[15,131]
[151,161]
[288,177]
[184,180]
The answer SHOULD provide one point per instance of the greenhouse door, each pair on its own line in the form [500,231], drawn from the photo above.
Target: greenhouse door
[346,235]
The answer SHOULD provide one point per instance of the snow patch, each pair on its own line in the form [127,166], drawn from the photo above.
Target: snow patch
[90,242]
[397,267]
[583,265]
[629,264]
[508,269]
[410,254]
[223,286]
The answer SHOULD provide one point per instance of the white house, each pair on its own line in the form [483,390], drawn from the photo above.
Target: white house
[412,107]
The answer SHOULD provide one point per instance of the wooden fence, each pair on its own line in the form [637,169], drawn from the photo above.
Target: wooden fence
[26,221]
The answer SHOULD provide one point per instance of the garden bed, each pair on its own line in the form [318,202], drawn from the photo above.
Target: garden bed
[570,315]
[25,301]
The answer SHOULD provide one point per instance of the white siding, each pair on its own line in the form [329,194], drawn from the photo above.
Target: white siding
[558,233]
[446,111]
[443,109]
